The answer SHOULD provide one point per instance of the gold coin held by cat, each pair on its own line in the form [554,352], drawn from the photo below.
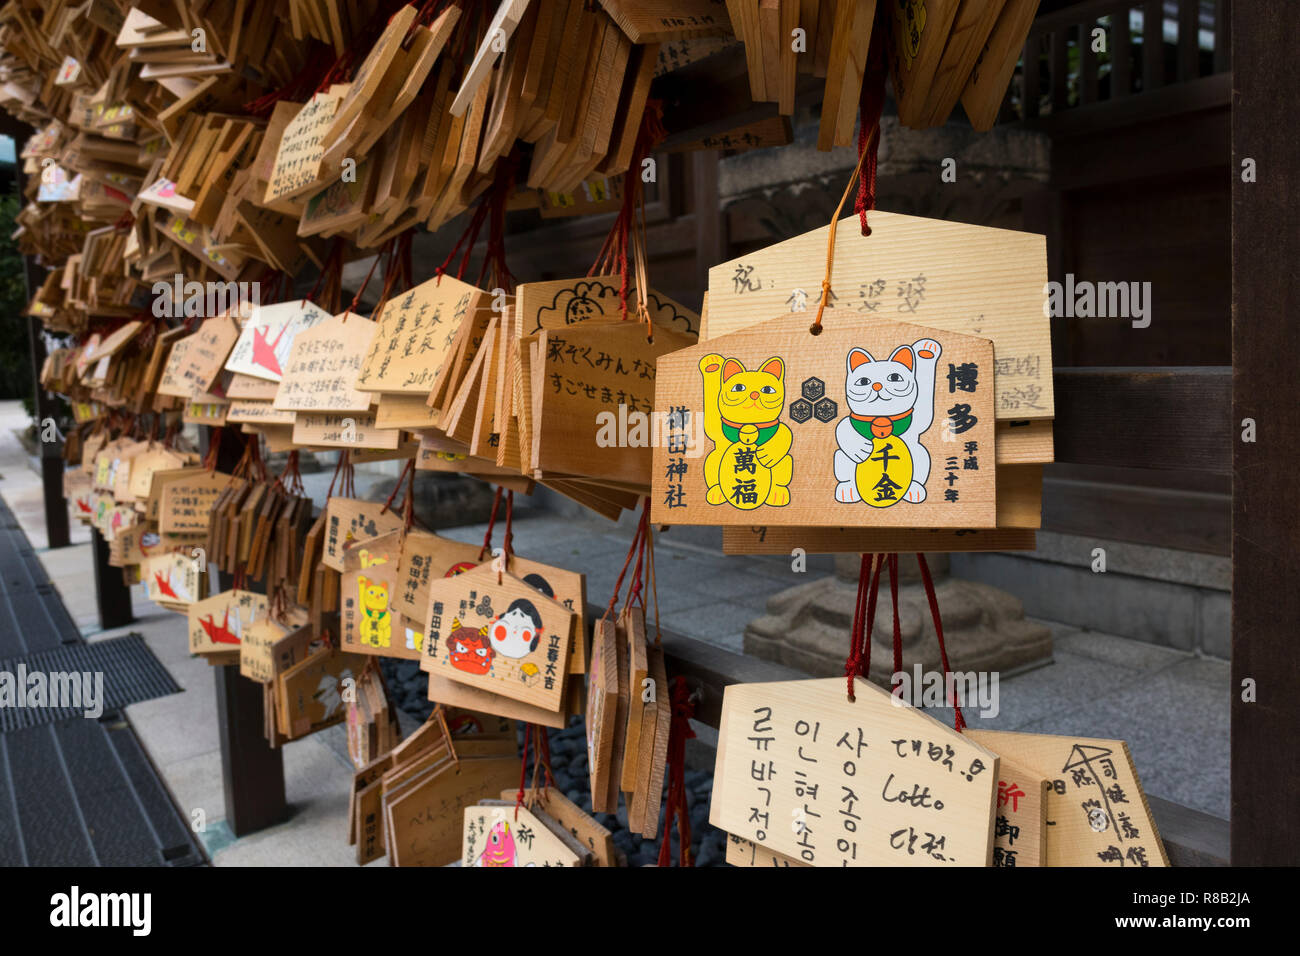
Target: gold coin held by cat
[745,481]
[886,475]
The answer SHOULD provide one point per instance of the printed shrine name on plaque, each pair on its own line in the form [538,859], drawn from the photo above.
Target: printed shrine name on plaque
[871,424]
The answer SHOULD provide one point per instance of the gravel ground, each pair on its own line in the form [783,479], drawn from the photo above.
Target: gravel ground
[409,688]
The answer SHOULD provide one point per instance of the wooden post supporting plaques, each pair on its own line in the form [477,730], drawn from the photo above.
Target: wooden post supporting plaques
[252,771]
[111,592]
[1266,421]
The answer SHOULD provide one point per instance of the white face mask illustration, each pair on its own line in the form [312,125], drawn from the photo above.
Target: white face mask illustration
[516,633]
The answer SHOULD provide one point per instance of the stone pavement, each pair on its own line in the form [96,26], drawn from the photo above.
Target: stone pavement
[1171,706]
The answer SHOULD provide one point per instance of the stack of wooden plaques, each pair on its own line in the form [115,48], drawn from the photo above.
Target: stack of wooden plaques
[807,777]
[939,52]
[372,719]
[629,715]
[406,804]
[919,419]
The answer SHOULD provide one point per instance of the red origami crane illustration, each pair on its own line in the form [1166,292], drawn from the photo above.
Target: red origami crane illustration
[164,585]
[220,634]
[264,351]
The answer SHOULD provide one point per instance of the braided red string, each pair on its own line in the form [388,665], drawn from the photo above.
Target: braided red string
[870,107]
[679,731]
[959,721]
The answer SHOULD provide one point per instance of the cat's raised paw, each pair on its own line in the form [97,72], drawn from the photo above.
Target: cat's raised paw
[927,349]
[915,493]
[847,492]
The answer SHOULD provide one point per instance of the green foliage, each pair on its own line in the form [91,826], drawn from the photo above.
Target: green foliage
[15,354]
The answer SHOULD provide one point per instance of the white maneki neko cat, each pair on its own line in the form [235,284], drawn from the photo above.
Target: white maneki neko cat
[880,459]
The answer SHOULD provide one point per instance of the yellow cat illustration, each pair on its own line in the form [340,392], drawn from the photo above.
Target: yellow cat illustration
[750,464]
[376,625]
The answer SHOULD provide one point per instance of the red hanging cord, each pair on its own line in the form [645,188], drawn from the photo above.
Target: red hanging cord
[614,250]
[214,448]
[468,234]
[494,258]
[959,721]
[853,665]
[523,771]
[898,625]
[356,299]
[484,551]
[675,803]
[641,530]
[508,542]
[870,107]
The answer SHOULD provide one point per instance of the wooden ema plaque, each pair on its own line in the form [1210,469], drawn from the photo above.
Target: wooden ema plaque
[1020,827]
[494,631]
[805,772]
[498,836]
[217,623]
[311,692]
[350,519]
[355,430]
[424,815]
[321,373]
[942,275]
[1097,814]
[426,557]
[266,341]
[601,713]
[173,580]
[597,384]
[186,503]
[433,557]
[414,336]
[560,303]
[366,617]
[876,424]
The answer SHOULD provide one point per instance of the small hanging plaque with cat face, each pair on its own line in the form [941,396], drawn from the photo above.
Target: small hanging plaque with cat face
[872,423]
[367,619]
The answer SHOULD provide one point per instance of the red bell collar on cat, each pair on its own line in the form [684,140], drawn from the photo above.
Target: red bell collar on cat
[765,429]
[882,426]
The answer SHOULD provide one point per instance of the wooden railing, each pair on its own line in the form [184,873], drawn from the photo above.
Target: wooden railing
[1061,71]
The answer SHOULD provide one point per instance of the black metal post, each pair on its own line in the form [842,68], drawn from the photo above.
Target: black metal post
[111,592]
[52,464]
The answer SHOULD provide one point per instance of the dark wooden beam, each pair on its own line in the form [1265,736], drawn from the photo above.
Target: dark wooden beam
[1208,92]
[1171,418]
[711,96]
[1198,521]
[1265,507]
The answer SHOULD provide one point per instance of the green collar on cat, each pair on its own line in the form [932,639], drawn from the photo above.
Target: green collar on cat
[862,425]
[765,431]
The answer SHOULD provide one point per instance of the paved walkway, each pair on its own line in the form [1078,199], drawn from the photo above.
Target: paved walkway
[1172,707]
